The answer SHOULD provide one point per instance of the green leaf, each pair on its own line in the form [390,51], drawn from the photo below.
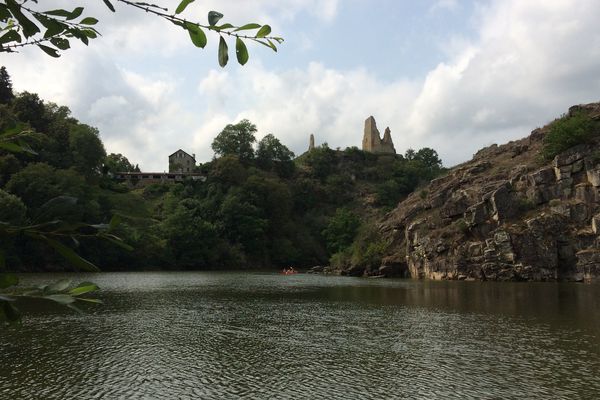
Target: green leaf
[118,241]
[224,26]
[89,33]
[58,13]
[12,147]
[69,15]
[26,148]
[95,301]
[114,222]
[82,288]
[73,307]
[29,28]
[61,43]
[60,298]
[10,36]
[89,21]
[57,206]
[196,34]
[49,50]
[241,51]
[4,13]
[223,56]
[8,280]
[74,258]
[214,17]
[53,27]
[75,13]
[182,6]
[109,5]
[59,286]
[248,26]
[268,43]
[264,31]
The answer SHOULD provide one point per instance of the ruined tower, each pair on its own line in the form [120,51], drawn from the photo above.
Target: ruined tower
[311,144]
[372,141]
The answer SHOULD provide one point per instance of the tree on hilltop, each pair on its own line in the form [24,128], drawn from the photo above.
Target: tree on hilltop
[6,92]
[236,140]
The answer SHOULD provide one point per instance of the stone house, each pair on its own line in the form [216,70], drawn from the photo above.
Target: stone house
[181,162]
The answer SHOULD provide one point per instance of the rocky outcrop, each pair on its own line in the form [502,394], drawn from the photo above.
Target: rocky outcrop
[504,215]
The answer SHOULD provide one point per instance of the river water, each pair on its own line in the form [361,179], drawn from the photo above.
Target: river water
[266,336]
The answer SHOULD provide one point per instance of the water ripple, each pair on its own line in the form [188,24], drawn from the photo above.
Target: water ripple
[233,336]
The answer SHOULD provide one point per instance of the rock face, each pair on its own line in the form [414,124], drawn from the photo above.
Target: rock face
[372,141]
[504,215]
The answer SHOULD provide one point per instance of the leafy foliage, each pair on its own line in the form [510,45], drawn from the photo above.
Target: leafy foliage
[567,132]
[6,92]
[23,24]
[236,140]
[272,155]
[256,208]
[341,230]
[62,292]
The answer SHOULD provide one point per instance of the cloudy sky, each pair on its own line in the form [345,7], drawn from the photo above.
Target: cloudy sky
[455,75]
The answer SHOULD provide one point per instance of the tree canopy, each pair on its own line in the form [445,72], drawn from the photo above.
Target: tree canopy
[6,92]
[236,140]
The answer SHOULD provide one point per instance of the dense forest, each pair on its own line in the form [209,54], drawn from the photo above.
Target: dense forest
[259,207]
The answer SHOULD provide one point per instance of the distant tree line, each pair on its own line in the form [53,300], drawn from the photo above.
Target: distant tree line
[260,206]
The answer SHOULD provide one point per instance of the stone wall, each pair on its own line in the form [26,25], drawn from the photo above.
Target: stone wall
[181,162]
[372,141]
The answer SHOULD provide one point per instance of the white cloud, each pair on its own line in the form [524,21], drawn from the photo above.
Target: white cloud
[533,59]
[528,63]
[444,5]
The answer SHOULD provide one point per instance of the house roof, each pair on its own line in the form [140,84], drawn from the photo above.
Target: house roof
[184,152]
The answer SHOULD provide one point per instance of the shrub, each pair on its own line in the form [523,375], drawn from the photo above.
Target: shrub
[368,247]
[554,203]
[341,230]
[524,205]
[12,209]
[567,132]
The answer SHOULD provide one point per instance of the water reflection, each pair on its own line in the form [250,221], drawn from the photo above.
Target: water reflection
[220,335]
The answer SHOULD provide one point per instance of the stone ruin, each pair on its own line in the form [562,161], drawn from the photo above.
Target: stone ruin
[311,144]
[372,141]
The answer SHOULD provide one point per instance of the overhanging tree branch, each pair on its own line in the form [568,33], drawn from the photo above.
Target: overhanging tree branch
[50,30]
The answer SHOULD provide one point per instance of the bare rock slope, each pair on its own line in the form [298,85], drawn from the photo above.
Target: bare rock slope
[504,215]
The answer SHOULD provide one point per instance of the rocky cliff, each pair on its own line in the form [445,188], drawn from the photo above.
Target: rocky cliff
[505,215]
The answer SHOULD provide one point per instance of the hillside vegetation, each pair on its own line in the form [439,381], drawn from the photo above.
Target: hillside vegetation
[259,206]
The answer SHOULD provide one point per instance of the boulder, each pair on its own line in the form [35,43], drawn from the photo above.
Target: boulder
[586,193]
[477,214]
[588,265]
[593,176]
[570,156]
[502,202]
[456,205]
[596,224]
[543,176]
